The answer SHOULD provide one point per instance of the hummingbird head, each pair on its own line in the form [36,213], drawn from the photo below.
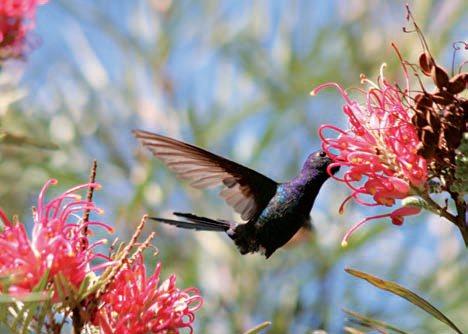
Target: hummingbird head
[318,162]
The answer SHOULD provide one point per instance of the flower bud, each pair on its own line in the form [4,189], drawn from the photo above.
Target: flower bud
[458,83]
[426,63]
[440,77]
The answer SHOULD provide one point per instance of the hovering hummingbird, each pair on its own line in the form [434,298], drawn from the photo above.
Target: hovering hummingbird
[274,211]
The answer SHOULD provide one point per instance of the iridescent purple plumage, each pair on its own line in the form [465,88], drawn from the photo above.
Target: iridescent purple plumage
[274,212]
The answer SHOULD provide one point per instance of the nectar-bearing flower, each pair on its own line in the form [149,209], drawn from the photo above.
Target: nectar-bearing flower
[406,144]
[59,243]
[16,20]
[137,303]
[379,150]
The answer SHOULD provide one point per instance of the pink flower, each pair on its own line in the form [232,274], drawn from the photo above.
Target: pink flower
[135,303]
[58,243]
[18,262]
[379,151]
[16,20]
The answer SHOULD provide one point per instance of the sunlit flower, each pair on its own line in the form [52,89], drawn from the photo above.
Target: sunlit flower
[379,151]
[16,20]
[135,303]
[59,243]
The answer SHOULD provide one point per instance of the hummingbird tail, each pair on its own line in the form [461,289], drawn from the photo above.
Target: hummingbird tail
[194,222]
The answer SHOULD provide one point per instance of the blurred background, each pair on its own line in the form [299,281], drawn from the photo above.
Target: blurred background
[233,77]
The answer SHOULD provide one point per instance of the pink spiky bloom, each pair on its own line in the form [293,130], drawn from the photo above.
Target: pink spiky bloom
[16,20]
[59,243]
[137,304]
[378,151]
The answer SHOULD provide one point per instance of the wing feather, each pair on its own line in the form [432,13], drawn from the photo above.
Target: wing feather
[246,190]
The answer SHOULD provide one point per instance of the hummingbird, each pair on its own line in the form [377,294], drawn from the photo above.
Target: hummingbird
[273,211]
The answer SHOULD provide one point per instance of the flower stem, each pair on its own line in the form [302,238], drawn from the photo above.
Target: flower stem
[77,321]
[464,233]
[461,218]
[458,220]
[89,196]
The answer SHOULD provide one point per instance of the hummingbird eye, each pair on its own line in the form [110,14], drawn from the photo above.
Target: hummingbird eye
[321,154]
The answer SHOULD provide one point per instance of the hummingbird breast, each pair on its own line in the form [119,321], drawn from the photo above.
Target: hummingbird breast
[275,226]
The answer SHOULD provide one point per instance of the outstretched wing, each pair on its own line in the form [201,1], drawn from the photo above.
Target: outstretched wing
[246,190]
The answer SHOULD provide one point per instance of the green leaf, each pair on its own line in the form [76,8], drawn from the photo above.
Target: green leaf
[42,314]
[21,140]
[85,288]
[66,291]
[25,310]
[404,293]
[29,298]
[351,330]
[415,201]
[258,328]
[372,323]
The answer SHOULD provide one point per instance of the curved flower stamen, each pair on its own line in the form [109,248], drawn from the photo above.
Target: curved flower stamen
[397,217]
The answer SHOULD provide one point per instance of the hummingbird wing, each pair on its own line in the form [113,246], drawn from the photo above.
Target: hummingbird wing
[245,190]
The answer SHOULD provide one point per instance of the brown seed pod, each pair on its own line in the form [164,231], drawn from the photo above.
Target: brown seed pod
[453,136]
[453,113]
[427,152]
[443,98]
[433,120]
[423,101]
[426,63]
[464,106]
[419,119]
[464,110]
[449,116]
[427,129]
[458,83]
[440,77]
[429,141]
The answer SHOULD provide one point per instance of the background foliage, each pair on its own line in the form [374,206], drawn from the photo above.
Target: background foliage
[234,77]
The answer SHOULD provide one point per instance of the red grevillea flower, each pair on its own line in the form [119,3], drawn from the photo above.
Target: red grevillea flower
[16,20]
[135,303]
[379,150]
[58,244]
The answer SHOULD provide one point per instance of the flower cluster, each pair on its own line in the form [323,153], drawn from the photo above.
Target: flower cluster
[441,117]
[58,243]
[16,20]
[121,299]
[379,150]
[402,142]
[136,303]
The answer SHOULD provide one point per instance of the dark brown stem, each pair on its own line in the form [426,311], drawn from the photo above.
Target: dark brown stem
[461,216]
[438,209]
[78,322]
[77,319]
[464,233]
[89,195]
[458,220]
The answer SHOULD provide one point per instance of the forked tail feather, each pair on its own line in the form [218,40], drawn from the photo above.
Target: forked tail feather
[194,222]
